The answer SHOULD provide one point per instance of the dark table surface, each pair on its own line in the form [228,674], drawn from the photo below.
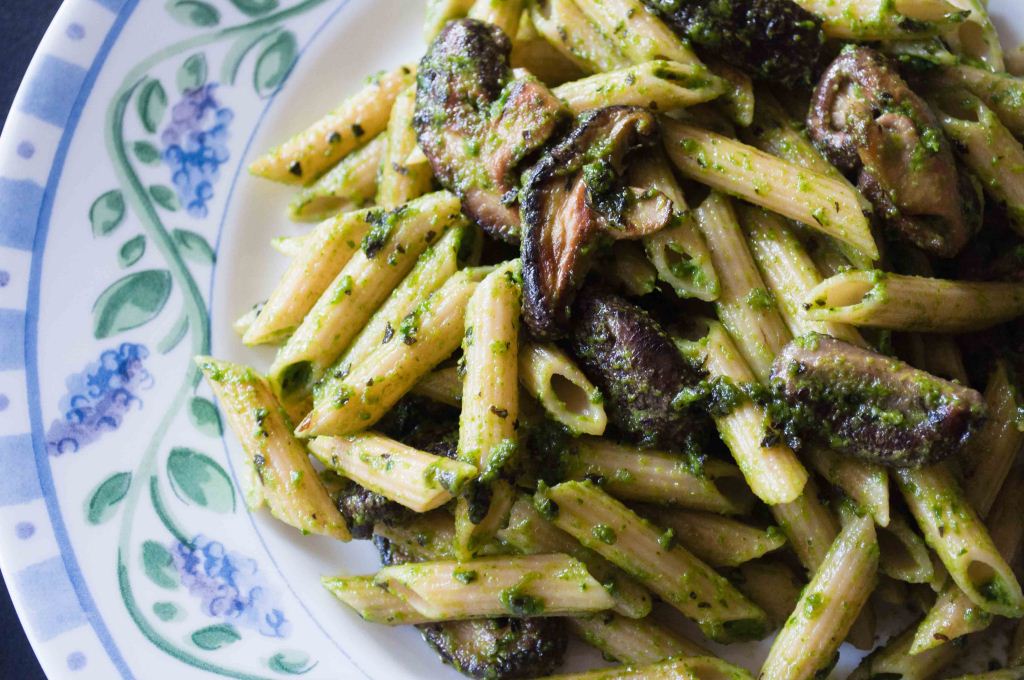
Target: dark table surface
[22,24]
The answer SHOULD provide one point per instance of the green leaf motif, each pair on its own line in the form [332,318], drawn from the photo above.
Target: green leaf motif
[255,8]
[205,417]
[146,153]
[291,662]
[215,637]
[193,12]
[130,302]
[165,611]
[152,104]
[103,502]
[107,213]
[194,246]
[131,251]
[274,63]
[159,565]
[198,478]
[164,196]
[192,74]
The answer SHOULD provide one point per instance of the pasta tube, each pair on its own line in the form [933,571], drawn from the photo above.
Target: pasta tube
[866,484]
[534,585]
[416,479]
[363,116]
[1016,656]
[350,184]
[629,267]
[809,526]
[828,606]
[1001,92]
[344,405]
[656,477]
[440,12]
[745,306]
[528,533]
[609,528]
[568,30]
[819,201]
[883,19]
[443,385]
[502,13]
[277,468]
[954,531]
[399,180]
[913,303]
[774,473]
[894,659]
[719,541]
[320,256]
[532,52]
[637,33]
[772,586]
[659,85]
[632,641]
[373,603]
[903,554]
[389,251]
[554,379]
[975,38]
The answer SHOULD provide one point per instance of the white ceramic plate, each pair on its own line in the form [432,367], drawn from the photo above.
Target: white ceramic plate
[127,551]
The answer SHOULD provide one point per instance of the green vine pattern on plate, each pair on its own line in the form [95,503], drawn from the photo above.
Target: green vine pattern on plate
[263,46]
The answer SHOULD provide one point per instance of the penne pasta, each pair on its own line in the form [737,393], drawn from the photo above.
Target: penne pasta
[428,536]
[373,603]
[693,668]
[913,303]
[440,12]
[883,19]
[534,585]
[773,473]
[953,530]
[418,480]
[745,306]
[1000,92]
[866,485]
[567,396]
[400,181]
[629,268]
[315,150]
[351,184]
[388,252]
[657,477]
[1016,655]
[734,168]
[568,30]
[772,586]
[678,252]
[659,85]
[532,52]
[719,541]
[632,641]
[319,257]
[277,468]
[809,526]
[443,385]
[345,405]
[827,607]
[903,554]
[647,553]
[528,533]
[637,33]
[893,659]
[975,38]
[502,13]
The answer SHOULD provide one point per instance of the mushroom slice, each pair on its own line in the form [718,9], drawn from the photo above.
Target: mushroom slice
[638,368]
[867,121]
[868,405]
[476,124]
[573,199]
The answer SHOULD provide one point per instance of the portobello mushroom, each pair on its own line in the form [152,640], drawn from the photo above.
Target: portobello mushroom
[574,200]
[869,405]
[867,121]
[633,361]
[363,508]
[494,649]
[776,41]
[476,124]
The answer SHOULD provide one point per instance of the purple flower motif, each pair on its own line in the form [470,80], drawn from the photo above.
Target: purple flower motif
[230,586]
[98,398]
[195,146]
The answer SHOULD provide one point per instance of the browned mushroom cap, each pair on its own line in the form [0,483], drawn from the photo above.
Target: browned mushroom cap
[475,124]
[870,406]
[572,198]
[869,123]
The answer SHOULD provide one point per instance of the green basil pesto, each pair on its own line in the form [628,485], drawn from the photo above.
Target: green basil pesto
[520,604]
[465,576]
[604,533]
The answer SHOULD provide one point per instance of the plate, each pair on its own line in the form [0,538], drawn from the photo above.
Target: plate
[126,547]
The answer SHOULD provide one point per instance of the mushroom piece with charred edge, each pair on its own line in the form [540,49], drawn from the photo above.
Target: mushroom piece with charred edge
[868,405]
[639,370]
[363,508]
[475,124]
[777,41]
[573,199]
[495,649]
[869,123]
